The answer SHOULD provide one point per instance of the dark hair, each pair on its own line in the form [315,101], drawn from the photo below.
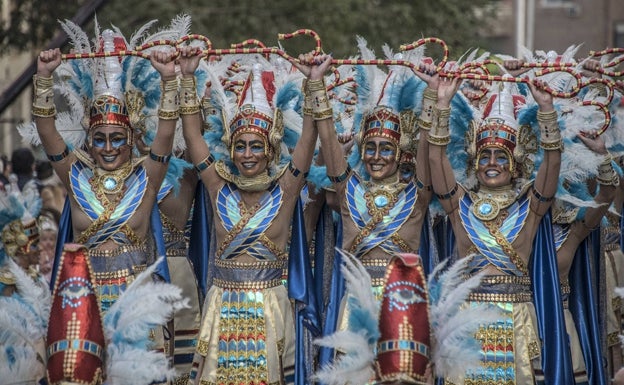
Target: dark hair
[22,161]
[44,169]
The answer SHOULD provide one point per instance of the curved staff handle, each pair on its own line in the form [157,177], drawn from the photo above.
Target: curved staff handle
[613,63]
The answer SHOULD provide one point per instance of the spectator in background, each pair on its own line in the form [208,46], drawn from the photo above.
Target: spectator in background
[48,232]
[4,171]
[51,188]
[23,165]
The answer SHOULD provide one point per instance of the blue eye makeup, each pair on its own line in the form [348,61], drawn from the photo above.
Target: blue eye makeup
[116,141]
[255,147]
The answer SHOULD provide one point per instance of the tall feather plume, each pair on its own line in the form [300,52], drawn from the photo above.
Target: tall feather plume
[144,305]
[23,326]
[455,350]
[18,354]
[355,365]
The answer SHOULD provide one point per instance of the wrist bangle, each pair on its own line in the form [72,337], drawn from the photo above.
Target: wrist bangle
[439,134]
[58,157]
[606,174]
[159,158]
[204,164]
[169,100]
[550,135]
[189,102]
[43,98]
[342,177]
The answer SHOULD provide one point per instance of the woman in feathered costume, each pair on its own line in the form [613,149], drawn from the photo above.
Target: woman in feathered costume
[112,190]
[24,296]
[247,330]
[380,214]
[496,222]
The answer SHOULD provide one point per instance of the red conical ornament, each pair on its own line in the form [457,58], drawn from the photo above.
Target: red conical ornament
[403,348]
[75,333]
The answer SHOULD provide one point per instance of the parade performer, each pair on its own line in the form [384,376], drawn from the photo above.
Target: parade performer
[379,215]
[112,191]
[24,295]
[495,220]
[253,192]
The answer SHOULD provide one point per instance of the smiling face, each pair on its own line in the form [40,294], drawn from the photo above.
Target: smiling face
[493,167]
[379,156]
[249,155]
[109,147]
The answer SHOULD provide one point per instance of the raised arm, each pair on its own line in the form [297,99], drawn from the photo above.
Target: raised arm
[196,146]
[168,113]
[317,112]
[607,180]
[547,178]
[44,112]
[442,176]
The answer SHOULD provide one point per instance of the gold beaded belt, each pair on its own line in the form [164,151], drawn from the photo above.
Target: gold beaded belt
[246,285]
[501,297]
[118,251]
[506,279]
[611,247]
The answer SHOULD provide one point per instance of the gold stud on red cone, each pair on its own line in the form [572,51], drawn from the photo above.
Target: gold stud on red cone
[404,343]
[75,333]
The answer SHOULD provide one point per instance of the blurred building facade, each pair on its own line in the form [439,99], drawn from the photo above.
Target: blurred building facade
[557,24]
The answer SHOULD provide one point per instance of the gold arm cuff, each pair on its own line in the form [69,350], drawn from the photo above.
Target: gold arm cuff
[189,110]
[550,135]
[43,97]
[169,100]
[439,140]
[315,85]
[552,146]
[424,125]
[606,174]
[43,112]
[440,125]
[321,108]
[189,102]
[168,115]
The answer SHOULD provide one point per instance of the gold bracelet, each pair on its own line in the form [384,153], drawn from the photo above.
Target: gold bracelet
[208,107]
[169,100]
[606,174]
[424,125]
[43,100]
[168,115]
[322,115]
[43,112]
[440,123]
[315,85]
[321,108]
[439,140]
[550,135]
[189,102]
[551,146]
